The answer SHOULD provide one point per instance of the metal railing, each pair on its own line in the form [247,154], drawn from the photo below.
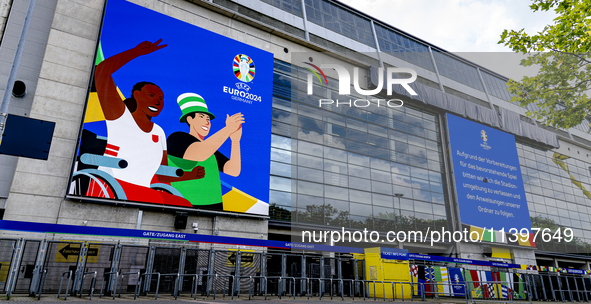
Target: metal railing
[194,284]
[69,273]
[92,283]
[251,280]
[214,284]
[529,286]
[436,291]
[121,284]
[114,286]
[146,291]
[470,291]
[39,289]
[496,291]
[280,281]
[176,280]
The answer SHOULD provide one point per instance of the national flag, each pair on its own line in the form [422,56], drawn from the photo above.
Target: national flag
[445,280]
[491,291]
[518,285]
[420,279]
[510,285]
[414,270]
[500,277]
[488,277]
[472,276]
[429,279]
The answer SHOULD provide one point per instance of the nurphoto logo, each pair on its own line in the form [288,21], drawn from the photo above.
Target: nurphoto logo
[344,79]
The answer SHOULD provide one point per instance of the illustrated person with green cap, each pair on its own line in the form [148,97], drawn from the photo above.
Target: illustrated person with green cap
[189,150]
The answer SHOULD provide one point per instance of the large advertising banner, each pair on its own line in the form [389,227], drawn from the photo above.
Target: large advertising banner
[487,175]
[177,117]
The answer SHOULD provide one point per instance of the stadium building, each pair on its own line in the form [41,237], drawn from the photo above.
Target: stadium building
[203,137]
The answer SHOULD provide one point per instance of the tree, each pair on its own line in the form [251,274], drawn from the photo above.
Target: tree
[557,95]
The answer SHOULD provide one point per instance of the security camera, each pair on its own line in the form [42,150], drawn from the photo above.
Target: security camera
[195,227]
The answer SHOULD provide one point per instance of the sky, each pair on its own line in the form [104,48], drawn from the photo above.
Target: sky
[470,28]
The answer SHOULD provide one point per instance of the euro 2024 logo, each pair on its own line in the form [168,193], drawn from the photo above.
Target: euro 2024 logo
[484,143]
[243,67]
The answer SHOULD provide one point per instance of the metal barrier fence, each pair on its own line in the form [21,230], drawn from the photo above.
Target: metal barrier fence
[474,291]
[36,267]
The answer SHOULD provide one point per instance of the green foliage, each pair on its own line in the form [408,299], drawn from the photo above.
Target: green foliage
[561,51]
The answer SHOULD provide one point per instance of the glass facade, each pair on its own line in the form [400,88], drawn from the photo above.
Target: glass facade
[557,189]
[342,166]
[290,6]
[457,70]
[357,27]
[404,48]
[340,20]
[496,86]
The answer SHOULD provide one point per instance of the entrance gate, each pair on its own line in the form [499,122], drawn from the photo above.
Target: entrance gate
[60,258]
[27,267]
[132,260]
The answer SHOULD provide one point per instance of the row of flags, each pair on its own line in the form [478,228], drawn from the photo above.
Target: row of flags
[552,269]
[452,281]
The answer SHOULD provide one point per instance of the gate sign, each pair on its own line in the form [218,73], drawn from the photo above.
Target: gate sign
[69,253]
[178,117]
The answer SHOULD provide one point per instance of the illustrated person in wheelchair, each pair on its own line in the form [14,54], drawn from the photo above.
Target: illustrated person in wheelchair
[134,165]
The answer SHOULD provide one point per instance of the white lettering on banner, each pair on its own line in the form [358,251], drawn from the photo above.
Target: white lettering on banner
[241,95]
[167,235]
[396,254]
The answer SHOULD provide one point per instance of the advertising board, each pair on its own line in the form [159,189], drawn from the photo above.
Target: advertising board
[178,117]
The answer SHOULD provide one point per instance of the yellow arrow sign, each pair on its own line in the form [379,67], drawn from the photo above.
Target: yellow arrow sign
[69,253]
[246,259]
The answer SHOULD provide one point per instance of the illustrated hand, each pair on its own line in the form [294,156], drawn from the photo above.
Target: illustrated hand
[234,122]
[148,47]
[197,172]
[235,137]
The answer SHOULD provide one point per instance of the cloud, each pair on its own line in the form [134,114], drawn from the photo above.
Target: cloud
[470,28]
[456,25]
